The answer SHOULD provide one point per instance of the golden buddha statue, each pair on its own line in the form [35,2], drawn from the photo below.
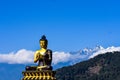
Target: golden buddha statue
[42,56]
[44,69]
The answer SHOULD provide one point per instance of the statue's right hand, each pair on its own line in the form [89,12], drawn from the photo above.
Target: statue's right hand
[37,56]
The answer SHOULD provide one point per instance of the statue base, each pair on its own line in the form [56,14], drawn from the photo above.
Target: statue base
[39,75]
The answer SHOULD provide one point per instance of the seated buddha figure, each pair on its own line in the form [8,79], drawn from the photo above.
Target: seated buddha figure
[43,56]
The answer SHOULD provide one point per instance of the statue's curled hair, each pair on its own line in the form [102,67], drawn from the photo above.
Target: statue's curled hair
[43,38]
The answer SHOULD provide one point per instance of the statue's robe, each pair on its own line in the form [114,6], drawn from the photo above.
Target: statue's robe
[46,60]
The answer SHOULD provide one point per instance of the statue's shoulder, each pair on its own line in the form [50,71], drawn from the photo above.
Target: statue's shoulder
[37,51]
[49,50]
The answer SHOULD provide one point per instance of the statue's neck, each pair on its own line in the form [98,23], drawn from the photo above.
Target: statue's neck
[43,50]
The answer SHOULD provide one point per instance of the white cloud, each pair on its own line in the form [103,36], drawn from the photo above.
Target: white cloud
[24,56]
[103,51]
[67,57]
[60,57]
[20,57]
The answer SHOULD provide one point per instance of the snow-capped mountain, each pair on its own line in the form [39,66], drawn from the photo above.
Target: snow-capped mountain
[71,58]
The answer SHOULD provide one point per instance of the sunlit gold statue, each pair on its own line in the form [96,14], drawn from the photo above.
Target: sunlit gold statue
[44,55]
[43,71]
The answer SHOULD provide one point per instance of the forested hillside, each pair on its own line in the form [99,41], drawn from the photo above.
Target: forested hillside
[102,67]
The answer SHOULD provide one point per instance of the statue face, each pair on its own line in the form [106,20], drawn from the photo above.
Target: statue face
[43,44]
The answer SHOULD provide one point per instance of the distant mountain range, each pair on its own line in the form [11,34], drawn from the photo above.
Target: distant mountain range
[85,54]
[102,67]
[78,56]
[14,71]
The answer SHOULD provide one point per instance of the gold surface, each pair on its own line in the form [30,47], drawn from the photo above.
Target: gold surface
[39,75]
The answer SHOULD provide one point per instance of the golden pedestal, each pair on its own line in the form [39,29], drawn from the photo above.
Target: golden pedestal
[39,75]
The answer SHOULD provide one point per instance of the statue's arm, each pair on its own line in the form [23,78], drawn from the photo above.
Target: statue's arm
[50,55]
[36,56]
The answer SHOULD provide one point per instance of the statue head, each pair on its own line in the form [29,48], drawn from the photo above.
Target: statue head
[43,42]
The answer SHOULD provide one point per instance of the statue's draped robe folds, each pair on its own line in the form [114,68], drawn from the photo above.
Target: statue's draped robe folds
[46,60]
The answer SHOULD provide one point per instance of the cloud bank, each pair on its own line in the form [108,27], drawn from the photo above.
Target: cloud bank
[20,57]
[66,57]
[24,56]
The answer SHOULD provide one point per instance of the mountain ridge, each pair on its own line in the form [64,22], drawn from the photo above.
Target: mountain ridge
[102,67]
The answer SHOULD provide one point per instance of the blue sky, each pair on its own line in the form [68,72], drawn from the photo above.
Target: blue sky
[69,25]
